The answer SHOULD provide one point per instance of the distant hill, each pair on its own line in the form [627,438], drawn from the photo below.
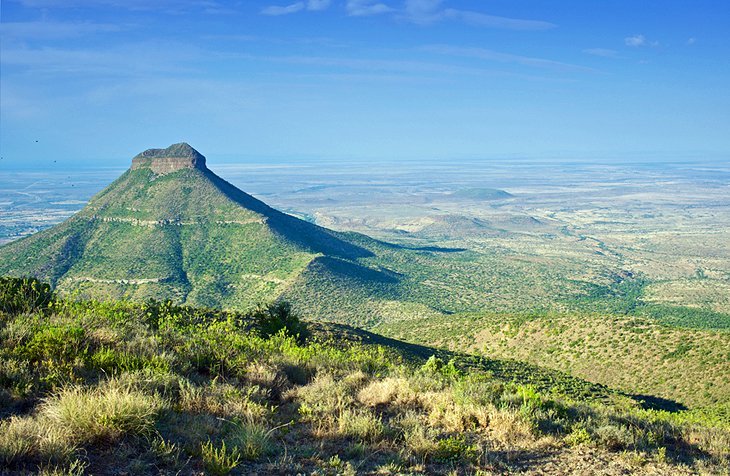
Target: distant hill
[169,228]
[482,194]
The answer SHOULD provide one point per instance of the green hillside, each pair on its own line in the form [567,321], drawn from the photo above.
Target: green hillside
[634,354]
[118,388]
[169,228]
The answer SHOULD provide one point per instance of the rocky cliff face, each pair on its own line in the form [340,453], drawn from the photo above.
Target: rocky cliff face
[164,161]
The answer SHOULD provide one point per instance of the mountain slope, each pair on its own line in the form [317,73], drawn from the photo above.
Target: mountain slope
[160,389]
[169,228]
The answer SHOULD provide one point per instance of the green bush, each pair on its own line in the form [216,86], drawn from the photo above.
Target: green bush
[21,295]
[436,366]
[279,317]
[614,437]
[579,436]
[455,448]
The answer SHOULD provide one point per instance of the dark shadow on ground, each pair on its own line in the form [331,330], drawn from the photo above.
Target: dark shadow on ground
[501,369]
[349,270]
[650,402]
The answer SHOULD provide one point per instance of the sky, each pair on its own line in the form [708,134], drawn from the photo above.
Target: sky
[93,82]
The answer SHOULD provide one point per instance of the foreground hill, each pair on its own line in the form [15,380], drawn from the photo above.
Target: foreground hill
[634,354]
[119,388]
[169,228]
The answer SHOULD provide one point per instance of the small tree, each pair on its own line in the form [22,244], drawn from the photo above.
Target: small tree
[278,317]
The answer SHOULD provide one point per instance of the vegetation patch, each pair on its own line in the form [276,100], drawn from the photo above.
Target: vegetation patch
[160,389]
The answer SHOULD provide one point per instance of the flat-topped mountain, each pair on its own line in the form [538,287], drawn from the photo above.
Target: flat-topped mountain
[169,228]
[176,157]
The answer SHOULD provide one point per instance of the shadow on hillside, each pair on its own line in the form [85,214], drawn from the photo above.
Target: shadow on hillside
[350,270]
[302,233]
[502,369]
[507,370]
[432,249]
[650,402]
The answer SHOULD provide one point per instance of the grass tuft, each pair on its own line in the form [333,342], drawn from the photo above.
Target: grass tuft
[106,412]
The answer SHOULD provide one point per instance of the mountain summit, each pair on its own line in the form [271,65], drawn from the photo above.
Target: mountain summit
[176,157]
[169,228]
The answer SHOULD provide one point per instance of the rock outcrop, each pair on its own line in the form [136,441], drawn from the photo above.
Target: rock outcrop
[164,161]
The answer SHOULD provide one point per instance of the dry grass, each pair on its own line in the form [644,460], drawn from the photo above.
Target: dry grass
[106,412]
[389,391]
[34,439]
[361,424]
[224,400]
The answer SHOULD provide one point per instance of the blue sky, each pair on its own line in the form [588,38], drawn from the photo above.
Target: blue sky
[96,81]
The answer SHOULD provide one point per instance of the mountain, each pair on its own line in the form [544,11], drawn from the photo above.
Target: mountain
[169,228]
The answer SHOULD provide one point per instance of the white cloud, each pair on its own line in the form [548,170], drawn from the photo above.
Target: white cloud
[635,40]
[691,41]
[491,21]
[424,12]
[603,52]
[276,10]
[311,5]
[360,8]
[124,61]
[491,55]
[317,5]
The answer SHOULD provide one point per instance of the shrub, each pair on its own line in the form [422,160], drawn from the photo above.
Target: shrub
[436,366]
[16,375]
[106,412]
[530,398]
[614,437]
[455,448]
[21,295]
[579,436]
[62,343]
[279,317]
